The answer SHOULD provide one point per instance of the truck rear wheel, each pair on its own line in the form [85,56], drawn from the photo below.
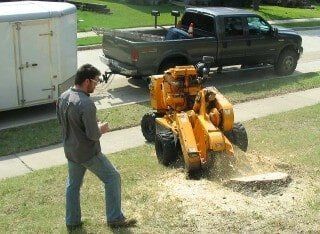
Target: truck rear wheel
[287,62]
[136,77]
[148,126]
[166,149]
[238,136]
[167,66]
[171,64]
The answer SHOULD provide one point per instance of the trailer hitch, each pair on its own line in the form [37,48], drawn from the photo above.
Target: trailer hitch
[106,76]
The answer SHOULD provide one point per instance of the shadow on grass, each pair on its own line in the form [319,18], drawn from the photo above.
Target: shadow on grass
[122,230]
[80,230]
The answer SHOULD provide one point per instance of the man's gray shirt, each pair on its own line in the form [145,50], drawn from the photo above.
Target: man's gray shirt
[76,113]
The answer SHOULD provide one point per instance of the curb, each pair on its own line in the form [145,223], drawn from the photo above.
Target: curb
[90,47]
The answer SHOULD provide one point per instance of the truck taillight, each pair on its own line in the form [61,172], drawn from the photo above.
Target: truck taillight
[134,55]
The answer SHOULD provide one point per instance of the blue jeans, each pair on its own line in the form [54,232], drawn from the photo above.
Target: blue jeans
[107,173]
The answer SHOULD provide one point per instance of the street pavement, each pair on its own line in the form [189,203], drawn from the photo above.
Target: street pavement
[22,163]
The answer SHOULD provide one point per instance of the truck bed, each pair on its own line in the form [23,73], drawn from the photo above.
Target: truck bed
[144,51]
[136,36]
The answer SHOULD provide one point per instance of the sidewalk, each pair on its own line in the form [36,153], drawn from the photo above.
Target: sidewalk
[22,163]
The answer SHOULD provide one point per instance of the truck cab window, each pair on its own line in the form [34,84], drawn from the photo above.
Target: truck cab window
[203,24]
[188,18]
[257,26]
[233,26]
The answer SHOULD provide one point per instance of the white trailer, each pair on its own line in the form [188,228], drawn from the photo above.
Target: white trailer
[38,52]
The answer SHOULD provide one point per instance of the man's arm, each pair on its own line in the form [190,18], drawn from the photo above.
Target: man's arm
[89,120]
[58,111]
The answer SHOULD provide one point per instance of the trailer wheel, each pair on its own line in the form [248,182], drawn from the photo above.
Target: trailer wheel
[148,126]
[287,62]
[238,136]
[166,149]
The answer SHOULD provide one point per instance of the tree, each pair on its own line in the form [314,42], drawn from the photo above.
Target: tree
[255,5]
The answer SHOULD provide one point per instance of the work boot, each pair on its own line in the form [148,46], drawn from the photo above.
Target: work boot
[74,227]
[122,223]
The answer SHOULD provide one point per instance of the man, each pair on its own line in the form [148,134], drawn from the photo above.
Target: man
[76,113]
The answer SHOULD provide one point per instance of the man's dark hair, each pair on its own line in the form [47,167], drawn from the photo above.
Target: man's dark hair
[86,71]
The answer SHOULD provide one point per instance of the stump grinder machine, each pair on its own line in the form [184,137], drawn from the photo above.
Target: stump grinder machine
[190,120]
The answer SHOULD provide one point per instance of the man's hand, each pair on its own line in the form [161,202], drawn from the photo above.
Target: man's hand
[104,127]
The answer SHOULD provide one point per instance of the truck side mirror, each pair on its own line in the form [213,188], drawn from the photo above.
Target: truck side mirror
[176,14]
[155,13]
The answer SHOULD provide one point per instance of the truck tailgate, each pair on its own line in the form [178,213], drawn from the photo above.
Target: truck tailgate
[117,48]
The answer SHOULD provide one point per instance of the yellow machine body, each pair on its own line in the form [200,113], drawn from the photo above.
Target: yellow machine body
[197,116]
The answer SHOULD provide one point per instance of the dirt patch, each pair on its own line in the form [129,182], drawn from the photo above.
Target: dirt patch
[213,207]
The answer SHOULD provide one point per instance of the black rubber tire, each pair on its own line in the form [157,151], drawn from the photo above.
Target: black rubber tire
[166,66]
[136,77]
[166,149]
[238,136]
[287,62]
[148,126]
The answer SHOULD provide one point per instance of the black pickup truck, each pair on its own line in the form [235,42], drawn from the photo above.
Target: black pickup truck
[232,36]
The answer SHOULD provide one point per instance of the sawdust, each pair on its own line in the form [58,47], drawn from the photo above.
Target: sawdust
[214,207]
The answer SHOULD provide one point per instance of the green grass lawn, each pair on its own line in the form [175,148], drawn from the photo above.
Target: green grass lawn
[164,201]
[47,133]
[89,41]
[282,13]
[127,15]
